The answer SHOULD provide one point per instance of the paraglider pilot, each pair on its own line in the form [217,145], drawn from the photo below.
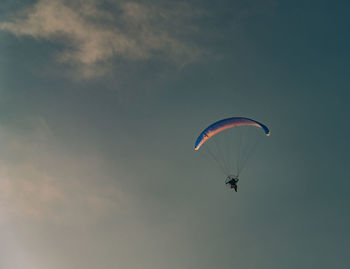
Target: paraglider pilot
[232,181]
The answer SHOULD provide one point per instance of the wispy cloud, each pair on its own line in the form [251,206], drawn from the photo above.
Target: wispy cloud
[40,182]
[93,35]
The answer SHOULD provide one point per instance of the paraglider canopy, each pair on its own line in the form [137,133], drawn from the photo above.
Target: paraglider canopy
[230,143]
[224,124]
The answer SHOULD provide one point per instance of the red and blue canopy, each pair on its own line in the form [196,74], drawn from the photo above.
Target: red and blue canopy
[224,124]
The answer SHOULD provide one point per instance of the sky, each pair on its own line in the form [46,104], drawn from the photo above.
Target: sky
[100,105]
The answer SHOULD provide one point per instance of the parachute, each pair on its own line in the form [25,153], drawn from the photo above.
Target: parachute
[231,142]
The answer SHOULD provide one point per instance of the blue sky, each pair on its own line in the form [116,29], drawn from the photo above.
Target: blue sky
[101,102]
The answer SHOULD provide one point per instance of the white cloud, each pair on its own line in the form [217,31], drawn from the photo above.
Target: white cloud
[92,36]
